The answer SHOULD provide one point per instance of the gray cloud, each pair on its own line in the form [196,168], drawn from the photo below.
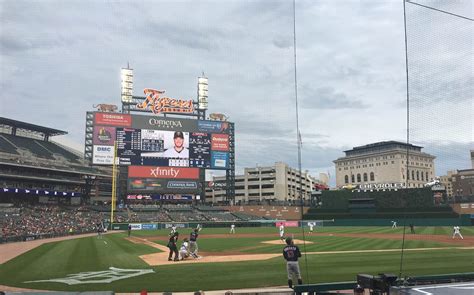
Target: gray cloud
[58,58]
[328,98]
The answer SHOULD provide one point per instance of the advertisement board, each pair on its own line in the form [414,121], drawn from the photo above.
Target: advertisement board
[220,142]
[113,119]
[163,172]
[164,185]
[103,135]
[163,154]
[103,155]
[287,223]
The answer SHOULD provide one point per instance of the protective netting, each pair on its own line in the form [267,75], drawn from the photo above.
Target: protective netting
[441,82]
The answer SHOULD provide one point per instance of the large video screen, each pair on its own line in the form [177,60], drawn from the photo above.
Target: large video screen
[148,142]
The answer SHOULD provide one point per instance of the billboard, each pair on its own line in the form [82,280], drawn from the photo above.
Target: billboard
[163,154]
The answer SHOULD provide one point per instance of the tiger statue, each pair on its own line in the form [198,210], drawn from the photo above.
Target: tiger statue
[218,117]
[109,108]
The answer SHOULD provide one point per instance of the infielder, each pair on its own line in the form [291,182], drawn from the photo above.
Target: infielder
[282,232]
[291,253]
[232,228]
[311,225]
[457,231]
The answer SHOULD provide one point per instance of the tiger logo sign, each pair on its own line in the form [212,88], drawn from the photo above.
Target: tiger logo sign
[108,108]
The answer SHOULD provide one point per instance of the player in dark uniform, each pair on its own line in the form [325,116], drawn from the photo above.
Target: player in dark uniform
[129,229]
[412,228]
[291,253]
[193,247]
[173,247]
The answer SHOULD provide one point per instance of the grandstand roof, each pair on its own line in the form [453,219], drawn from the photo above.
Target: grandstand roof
[31,127]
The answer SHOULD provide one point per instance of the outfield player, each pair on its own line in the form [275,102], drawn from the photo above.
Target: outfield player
[282,232]
[184,250]
[457,231]
[291,253]
[232,228]
[311,225]
[100,229]
[394,224]
[193,246]
[129,229]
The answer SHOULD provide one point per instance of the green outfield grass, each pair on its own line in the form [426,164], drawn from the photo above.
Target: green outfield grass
[59,259]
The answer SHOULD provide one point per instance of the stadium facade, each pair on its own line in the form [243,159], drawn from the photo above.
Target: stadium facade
[384,164]
[278,182]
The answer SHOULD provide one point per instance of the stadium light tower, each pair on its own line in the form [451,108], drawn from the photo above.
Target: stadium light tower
[126,84]
[202,92]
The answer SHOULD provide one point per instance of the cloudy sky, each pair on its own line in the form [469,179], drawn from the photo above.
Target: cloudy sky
[58,58]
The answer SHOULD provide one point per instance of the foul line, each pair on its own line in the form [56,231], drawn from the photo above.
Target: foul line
[392,250]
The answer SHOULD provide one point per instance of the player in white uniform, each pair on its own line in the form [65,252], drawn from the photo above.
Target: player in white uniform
[232,228]
[457,231]
[282,232]
[179,150]
[394,224]
[184,250]
[311,225]
[173,229]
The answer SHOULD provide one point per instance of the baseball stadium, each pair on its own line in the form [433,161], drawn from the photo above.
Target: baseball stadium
[158,201]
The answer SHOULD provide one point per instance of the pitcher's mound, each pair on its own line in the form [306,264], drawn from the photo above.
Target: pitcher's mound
[280,242]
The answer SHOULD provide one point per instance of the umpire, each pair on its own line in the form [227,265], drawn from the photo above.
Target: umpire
[173,247]
[291,253]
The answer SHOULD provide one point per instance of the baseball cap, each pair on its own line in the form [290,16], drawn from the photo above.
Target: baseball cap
[178,134]
[288,240]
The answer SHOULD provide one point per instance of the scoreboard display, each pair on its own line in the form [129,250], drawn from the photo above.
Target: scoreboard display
[166,151]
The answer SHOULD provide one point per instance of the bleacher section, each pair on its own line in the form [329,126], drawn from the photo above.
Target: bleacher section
[38,148]
[6,146]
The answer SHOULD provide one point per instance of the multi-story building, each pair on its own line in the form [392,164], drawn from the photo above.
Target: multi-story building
[385,163]
[447,182]
[273,183]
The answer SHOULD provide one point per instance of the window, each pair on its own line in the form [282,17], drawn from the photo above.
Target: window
[418,175]
[412,175]
[365,176]
[352,178]
[346,179]
[372,176]
[427,175]
[422,176]
[358,177]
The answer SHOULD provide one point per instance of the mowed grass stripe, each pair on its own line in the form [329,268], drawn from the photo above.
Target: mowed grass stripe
[321,268]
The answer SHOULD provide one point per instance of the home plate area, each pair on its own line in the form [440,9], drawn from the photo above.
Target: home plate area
[161,258]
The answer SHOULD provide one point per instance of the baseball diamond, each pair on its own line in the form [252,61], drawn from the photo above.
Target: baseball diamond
[253,256]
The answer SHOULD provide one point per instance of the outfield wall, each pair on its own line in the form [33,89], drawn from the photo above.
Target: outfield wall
[463,220]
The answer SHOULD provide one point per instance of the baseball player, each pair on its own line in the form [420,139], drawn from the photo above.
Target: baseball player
[457,231]
[193,246]
[173,229]
[184,250]
[291,253]
[173,247]
[394,224]
[311,225]
[282,232]
[232,228]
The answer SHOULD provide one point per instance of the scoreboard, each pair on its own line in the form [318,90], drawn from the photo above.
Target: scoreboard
[163,154]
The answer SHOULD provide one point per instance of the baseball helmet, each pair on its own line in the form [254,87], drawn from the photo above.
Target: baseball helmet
[289,240]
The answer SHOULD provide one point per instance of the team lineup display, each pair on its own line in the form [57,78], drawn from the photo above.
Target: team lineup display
[162,154]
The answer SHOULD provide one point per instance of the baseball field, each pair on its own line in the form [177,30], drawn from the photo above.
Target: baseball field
[250,258]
